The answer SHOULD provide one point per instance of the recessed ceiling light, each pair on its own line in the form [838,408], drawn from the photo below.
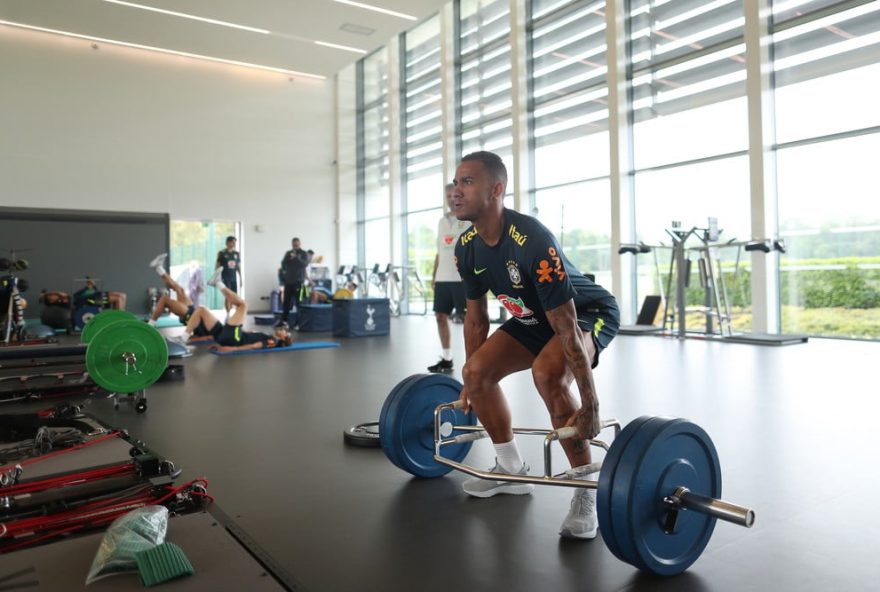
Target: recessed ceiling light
[163,50]
[343,47]
[377,9]
[189,16]
[357,29]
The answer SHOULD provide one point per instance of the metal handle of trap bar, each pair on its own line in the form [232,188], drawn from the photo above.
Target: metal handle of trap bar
[681,498]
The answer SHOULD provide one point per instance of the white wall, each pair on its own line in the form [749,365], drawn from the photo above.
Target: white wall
[129,130]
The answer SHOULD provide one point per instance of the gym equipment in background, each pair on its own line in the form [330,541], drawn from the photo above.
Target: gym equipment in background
[364,435]
[658,488]
[122,356]
[716,305]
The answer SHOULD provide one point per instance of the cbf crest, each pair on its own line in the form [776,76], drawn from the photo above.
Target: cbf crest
[515,276]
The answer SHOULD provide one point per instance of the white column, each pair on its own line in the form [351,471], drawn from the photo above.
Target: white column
[519,94]
[762,166]
[346,165]
[395,195]
[448,91]
[622,197]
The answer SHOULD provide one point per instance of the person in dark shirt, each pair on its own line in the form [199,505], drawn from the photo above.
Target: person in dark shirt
[90,295]
[182,306]
[560,322]
[231,336]
[293,272]
[229,261]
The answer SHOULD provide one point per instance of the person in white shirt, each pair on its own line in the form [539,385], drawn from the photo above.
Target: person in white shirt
[448,289]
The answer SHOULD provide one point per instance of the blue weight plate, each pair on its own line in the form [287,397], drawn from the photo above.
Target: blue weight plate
[664,454]
[606,480]
[388,446]
[409,421]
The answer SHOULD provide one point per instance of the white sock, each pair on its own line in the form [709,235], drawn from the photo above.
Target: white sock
[160,270]
[508,457]
[151,322]
[185,336]
[447,354]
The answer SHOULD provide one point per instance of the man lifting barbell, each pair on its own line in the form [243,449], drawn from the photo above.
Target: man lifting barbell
[182,307]
[560,323]
[231,336]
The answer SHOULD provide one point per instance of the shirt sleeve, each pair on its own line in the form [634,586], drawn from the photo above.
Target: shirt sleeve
[547,268]
[473,287]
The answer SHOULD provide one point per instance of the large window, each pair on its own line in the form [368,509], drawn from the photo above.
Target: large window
[484,77]
[690,133]
[826,67]
[692,143]
[423,152]
[374,158]
[569,122]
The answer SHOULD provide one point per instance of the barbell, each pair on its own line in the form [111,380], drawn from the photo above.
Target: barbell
[658,491]
[124,354]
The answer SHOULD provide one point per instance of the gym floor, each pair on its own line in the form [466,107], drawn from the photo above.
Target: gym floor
[795,428]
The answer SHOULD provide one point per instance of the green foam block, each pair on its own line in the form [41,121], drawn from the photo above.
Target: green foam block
[162,563]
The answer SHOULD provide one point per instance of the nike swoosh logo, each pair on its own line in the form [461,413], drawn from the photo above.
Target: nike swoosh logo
[479,271]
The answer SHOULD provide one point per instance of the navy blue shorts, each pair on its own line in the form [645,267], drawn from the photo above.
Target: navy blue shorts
[449,296]
[230,281]
[601,325]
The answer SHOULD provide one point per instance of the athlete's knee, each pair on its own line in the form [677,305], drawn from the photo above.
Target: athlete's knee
[550,379]
[477,377]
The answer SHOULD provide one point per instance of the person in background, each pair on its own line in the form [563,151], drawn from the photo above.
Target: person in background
[231,336]
[229,261]
[195,282]
[91,295]
[182,306]
[293,272]
[448,288]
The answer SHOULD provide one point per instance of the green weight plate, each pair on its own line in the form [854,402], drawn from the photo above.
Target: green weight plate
[101,320]
[108,350]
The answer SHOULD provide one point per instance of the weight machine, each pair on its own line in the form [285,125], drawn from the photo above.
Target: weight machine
[716,304]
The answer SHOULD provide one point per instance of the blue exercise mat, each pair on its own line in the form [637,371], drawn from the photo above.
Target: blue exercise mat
[293,346]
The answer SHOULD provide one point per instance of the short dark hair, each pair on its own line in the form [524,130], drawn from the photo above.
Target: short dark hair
[231,238]
[296,238]
[491,162]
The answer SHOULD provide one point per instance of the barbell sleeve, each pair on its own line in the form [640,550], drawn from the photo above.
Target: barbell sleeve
[566,433]
[715,507]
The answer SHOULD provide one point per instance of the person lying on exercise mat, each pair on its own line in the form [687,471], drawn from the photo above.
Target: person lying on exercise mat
[231,336]
[560,322]
[182,306]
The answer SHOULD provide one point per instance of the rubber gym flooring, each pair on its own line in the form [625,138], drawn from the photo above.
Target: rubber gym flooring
[795,428]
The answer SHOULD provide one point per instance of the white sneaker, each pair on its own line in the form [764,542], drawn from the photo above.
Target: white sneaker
[159,260]
[487,488]
[180,340]
[581,521]
[215,279]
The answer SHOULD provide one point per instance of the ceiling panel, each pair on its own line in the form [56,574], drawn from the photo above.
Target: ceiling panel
[293,25]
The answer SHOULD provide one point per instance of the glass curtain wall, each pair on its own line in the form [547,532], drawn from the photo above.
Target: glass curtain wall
[826,68]
[568,99]
[484,81]
[690,137]
[374,160]
[422,126]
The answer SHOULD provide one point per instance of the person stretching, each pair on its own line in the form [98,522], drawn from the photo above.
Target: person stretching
[182,306]
[231,336]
